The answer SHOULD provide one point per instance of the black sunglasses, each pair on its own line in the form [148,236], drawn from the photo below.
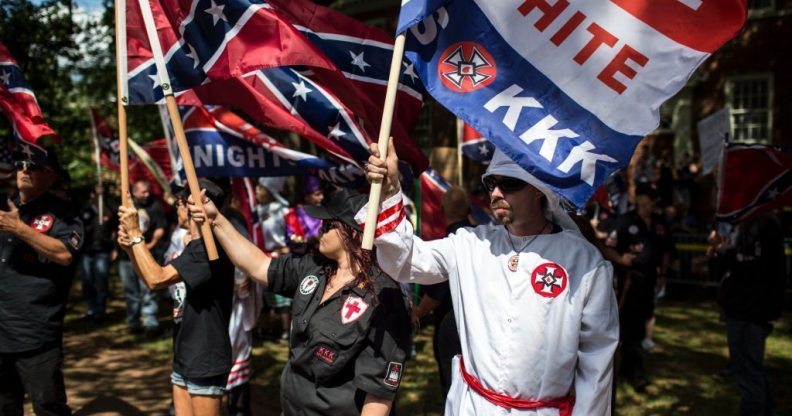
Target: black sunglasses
[506,184]
[26,165]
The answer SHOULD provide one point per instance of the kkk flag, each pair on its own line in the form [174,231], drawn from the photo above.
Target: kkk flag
[207,40]
[433,220]
[109,146]
[19,103]
[755,179]
[566,89]
[475,146]
[223,144]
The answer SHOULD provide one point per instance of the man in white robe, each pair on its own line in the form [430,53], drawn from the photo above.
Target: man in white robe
[534,301]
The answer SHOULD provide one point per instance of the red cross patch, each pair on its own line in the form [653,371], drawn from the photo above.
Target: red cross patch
[42,223]
[549,280]
[354,307]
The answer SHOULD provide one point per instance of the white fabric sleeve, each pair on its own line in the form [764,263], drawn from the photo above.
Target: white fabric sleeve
[401,254]
[599,336]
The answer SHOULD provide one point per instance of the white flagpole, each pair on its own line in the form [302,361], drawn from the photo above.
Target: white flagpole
[382,142]
[98,155]
[178,128]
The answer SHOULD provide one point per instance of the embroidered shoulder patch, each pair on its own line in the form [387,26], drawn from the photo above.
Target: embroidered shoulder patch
[74,240]
[324,353]
[394,373]
[309,284]
[42,223]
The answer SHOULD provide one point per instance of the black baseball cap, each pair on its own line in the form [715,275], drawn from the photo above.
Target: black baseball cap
[213,191]
[342,206]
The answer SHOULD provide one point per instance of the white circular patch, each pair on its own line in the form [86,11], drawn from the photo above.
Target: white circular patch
[309,284]
[633,229]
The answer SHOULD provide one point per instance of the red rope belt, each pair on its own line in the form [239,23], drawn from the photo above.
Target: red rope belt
[563,404]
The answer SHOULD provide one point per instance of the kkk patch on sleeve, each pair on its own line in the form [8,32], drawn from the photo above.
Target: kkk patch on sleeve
[324,353]
[74,240]
[394,373]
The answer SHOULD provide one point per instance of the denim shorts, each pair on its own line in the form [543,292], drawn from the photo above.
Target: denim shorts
[201,386]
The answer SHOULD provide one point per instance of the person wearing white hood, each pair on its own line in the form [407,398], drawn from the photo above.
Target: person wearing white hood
[534,301]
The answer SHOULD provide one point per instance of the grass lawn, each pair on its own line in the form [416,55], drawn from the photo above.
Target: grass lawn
[690,348]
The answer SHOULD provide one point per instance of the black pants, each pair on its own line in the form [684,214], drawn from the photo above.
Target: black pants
[39,374]
[239,400]
[446,346]
[746,358]
[638,307]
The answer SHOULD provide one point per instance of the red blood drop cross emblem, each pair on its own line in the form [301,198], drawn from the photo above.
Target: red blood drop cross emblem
[354,307]
[549,280]
[42,223]
[465,67]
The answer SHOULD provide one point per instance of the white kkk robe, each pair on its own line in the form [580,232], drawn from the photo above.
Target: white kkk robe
[544,331]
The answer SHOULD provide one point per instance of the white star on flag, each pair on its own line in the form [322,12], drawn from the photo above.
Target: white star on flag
[358,61]
[155,79]
[483,149]
[335,131]
[301,90]
[6,77]
[217,12]
[409,71]
[194,55]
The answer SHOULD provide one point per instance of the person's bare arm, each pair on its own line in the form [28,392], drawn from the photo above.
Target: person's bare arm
[51,248]
[154,275]
[243,254]
[374,406]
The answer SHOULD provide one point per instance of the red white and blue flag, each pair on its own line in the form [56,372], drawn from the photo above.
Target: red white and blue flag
[19,103]
[109,146]
[209,40]
[223,144]
[433,219]
[755,179]
[566,89]
[475,146]
[244,189]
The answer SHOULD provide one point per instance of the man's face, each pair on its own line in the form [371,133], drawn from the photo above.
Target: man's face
[263,195]
[314,198]
[510,202]
[645,205]
[34,178]
[141,192]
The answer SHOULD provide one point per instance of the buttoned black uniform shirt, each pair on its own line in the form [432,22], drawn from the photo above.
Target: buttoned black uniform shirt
[652,241]
[33,290]
[353,344]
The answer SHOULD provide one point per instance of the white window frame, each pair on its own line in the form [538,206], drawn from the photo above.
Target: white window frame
[733,112]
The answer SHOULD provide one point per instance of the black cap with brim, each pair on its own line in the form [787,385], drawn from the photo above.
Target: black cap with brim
[342,206]
[213,192]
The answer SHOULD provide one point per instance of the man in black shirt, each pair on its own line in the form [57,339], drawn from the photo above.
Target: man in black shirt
[752,296]
[201,346]
[142,301]
[644,244]
[39,240]
[98,254]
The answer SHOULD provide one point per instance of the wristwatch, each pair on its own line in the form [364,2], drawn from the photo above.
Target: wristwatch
[137,240]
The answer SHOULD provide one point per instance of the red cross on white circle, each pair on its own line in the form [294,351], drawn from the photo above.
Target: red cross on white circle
[354,307]
[42,223]
[549,280]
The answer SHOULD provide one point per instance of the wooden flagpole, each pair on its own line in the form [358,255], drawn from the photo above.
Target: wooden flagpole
[460,125]
[382,142]
[178,128]
[98,155]
[122,97]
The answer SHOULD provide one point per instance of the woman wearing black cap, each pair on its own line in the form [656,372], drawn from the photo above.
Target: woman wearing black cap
[350,330]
